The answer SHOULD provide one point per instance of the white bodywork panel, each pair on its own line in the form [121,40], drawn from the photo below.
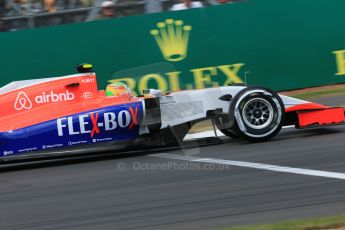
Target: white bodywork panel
[185,106]
[181,107]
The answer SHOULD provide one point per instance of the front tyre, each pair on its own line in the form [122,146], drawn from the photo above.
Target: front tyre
[259,114]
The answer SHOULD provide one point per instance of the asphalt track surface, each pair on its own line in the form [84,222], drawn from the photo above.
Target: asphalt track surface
[153,192]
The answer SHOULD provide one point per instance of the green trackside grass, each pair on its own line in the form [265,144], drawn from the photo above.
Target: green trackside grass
[316,93]
[326,223]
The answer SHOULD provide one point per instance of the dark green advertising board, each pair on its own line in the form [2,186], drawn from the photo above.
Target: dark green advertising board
[278,44]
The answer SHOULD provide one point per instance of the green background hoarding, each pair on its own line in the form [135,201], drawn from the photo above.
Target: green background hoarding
[284,45]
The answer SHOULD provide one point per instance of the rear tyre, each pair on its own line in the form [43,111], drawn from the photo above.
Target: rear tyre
[259,114]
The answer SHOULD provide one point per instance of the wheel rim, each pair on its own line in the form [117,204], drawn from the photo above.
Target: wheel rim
[257,113]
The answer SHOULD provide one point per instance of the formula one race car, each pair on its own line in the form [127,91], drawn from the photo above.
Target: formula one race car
[65,115]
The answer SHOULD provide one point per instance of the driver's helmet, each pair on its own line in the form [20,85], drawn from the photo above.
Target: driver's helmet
[117,89]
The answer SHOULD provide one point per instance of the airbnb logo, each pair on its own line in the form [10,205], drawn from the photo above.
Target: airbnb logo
[22,102]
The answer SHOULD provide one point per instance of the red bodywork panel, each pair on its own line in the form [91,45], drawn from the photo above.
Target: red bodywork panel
[53,99]
[305,106]
[310,114]
[328,116]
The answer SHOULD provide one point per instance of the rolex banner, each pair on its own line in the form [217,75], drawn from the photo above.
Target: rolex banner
[278,44]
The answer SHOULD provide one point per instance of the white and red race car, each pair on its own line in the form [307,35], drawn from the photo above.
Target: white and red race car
[65,115]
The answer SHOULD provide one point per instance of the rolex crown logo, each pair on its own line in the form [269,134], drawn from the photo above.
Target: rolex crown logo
[172,38]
